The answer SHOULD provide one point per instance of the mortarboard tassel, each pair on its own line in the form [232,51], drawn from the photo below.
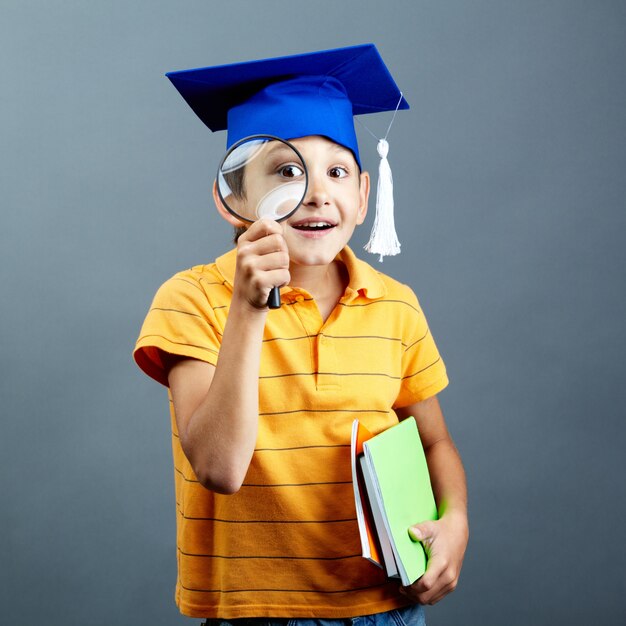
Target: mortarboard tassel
[383,238]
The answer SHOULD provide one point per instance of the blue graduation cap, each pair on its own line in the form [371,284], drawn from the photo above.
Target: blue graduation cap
[317,93]
[294,96]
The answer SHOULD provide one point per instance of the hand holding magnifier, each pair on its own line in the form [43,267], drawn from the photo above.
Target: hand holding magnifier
[262,177]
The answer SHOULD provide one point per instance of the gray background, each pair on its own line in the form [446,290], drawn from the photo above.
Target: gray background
[510,189]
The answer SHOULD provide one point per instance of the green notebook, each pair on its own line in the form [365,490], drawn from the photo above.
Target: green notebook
[398,471]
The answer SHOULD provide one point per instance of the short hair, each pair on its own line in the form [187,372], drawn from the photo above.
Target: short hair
[235,181]
[239,230]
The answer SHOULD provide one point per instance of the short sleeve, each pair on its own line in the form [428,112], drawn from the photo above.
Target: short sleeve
[181,321]
[423,370]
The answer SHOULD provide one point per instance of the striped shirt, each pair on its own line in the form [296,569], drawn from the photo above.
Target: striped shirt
[287,543]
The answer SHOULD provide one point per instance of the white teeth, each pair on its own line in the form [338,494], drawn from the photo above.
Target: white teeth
[316,224]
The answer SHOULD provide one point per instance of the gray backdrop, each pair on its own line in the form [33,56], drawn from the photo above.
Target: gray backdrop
[510,189]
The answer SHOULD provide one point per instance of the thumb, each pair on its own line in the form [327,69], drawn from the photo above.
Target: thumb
[422,532]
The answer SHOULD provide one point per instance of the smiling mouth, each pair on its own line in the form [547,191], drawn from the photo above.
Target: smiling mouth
[314,226]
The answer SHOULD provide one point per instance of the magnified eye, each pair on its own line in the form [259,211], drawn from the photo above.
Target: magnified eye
[337,172]
[290,171]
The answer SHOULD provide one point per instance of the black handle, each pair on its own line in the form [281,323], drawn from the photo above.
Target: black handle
[273,302]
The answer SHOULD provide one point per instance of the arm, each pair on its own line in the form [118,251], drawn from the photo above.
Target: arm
[445,540]
[217,407]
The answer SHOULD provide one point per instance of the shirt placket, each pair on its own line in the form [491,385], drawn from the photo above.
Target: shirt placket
[324,355]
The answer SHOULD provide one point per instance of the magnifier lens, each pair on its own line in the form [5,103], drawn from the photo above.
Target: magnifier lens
[262,177]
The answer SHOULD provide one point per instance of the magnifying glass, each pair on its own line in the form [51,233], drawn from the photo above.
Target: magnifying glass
[262,176]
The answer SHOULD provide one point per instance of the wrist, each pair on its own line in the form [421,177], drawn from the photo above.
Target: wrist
[241,306]
[456,517]
[457,514]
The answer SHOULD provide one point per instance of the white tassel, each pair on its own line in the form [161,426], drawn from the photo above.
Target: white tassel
[383,239]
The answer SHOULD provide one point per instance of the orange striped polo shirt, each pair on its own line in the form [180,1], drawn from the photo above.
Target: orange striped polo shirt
[287,543]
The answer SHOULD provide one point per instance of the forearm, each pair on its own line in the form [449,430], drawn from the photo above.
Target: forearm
[448,478]
[221,407]
[221,433]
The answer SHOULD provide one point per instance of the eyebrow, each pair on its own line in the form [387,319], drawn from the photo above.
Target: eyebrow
[337,148]
[277,147]
[344,152]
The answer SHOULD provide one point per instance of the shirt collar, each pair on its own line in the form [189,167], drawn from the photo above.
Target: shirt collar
[364,279]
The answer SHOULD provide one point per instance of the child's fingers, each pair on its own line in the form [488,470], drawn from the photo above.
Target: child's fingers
[269,253]
[262,263]
[259,285]
[438,581]
[278,278]
[263,238]
[429,580]
[260,229]
[449,588]
[424,532]
[265,245]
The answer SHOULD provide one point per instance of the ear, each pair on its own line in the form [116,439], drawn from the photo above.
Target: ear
[364,194]
[222,210]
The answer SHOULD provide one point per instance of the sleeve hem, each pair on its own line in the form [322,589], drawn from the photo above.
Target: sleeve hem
[423,393]
[146,355]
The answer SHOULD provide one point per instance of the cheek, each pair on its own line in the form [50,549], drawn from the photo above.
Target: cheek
[352,202]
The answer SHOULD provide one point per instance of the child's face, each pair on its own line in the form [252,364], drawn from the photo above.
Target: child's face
[335,203]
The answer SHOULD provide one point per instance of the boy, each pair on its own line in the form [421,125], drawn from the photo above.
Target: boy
[261,436]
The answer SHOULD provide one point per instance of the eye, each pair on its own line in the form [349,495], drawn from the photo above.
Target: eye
[337,172]
[290,171]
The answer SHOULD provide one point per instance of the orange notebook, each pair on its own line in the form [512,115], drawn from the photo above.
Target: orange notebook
[367,531]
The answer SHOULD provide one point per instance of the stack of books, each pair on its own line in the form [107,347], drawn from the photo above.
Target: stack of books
[392,491]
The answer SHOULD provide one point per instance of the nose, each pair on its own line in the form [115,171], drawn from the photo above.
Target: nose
[316,193]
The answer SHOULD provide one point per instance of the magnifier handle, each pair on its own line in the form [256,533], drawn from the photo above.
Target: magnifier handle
[273,302]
